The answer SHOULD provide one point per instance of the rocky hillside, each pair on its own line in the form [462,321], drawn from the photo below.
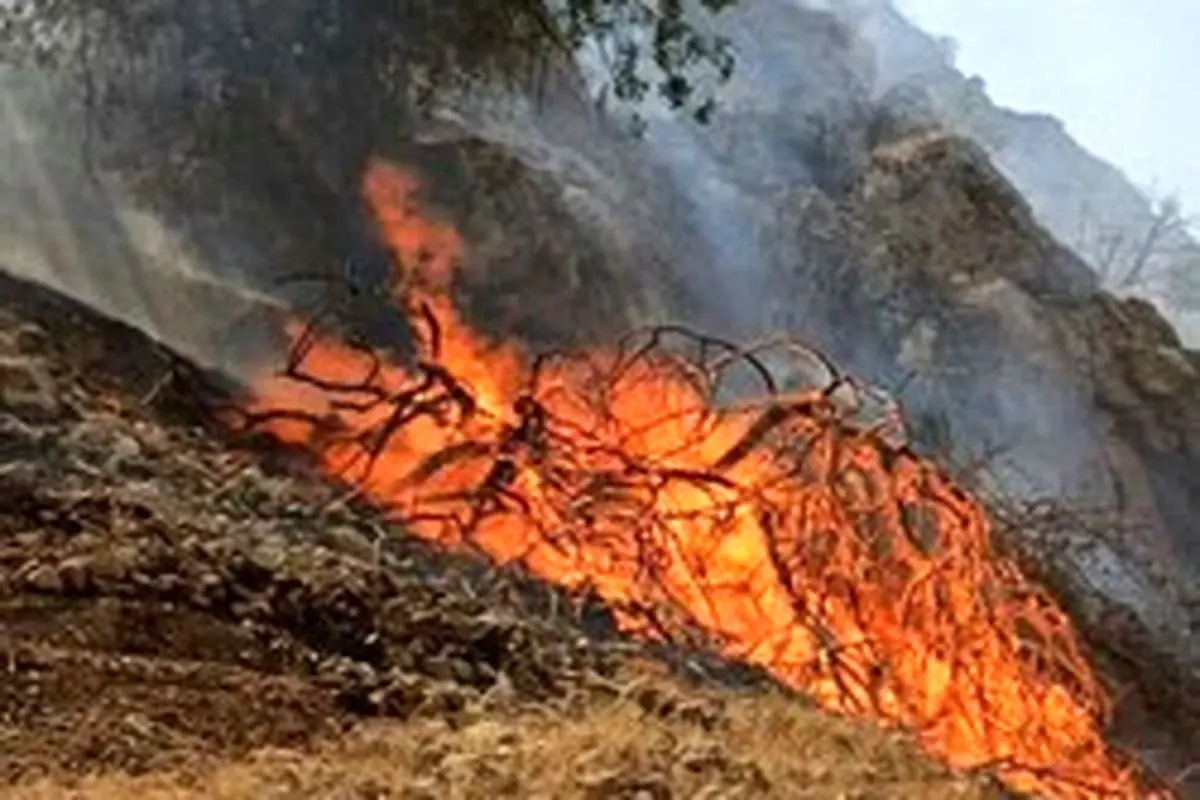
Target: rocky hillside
[1087,203]
[1013,366]
[859,223]
[816,203]
[1003,334]
[905,250]
[183,615]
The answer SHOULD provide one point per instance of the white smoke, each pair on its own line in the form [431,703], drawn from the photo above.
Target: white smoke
[65,225]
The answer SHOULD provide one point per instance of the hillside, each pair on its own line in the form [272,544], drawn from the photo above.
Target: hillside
[147,543]
[186,616]
[1085,202]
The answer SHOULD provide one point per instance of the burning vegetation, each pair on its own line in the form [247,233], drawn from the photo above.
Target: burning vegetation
[776,530]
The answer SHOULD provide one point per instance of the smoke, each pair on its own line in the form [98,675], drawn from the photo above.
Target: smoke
[186,177]
[771,129]
[744,210]
[201,259]
[279,199]
[64,225]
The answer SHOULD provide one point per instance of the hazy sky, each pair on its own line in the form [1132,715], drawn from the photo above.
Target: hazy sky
[1124,75]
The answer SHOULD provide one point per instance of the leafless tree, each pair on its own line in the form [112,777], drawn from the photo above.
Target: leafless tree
[1157,255]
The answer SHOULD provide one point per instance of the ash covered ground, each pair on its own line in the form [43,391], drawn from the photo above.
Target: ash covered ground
[182,614]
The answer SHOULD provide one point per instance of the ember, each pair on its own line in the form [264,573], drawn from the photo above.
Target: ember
[792,538]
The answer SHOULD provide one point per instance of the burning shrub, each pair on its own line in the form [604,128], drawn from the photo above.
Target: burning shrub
[792,537]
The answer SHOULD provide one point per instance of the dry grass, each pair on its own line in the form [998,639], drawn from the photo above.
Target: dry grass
[759,745]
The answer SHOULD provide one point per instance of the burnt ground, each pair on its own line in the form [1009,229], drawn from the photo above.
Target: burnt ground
[182,614]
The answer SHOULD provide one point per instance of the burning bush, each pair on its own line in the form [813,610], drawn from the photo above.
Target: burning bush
[783,532]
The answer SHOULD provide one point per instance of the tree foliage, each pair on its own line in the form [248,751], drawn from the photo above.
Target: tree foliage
[373,49]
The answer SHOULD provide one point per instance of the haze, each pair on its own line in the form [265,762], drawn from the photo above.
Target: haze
[1121,74]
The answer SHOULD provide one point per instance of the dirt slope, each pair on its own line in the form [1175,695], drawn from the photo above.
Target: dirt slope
[180,617]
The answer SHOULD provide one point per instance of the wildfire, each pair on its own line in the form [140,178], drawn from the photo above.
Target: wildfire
[851,570]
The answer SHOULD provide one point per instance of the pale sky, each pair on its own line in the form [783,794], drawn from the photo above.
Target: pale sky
[1124,75]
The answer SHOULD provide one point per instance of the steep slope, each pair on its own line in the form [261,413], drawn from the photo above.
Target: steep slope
[182,616]
[813,207]
[1084,201]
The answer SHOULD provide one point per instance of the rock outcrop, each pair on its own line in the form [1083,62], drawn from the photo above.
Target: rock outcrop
[907,251]
[547,232]
[998,339]
[932,277]
[1085,202]
[1084,386]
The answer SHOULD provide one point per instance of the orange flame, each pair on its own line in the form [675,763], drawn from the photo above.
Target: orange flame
[849,570]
